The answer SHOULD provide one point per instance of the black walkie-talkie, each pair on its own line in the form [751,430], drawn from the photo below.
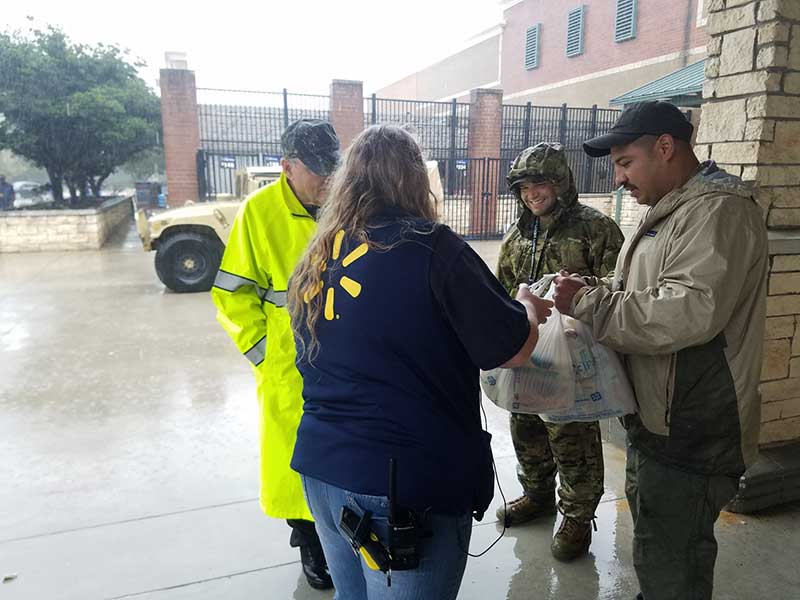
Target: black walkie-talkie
[403,530]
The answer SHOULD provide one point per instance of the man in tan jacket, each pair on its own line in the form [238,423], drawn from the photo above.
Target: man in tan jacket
[686,309]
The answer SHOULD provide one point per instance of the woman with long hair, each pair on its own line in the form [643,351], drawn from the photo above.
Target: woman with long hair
[394,315]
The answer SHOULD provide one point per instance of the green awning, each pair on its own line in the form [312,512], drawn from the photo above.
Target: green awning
[683,87]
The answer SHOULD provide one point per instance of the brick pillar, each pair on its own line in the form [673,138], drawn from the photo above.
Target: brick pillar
[181,134]
[485,125]
[750,125]
[347,109]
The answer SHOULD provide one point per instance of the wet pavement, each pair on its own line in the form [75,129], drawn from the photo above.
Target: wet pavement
[129,464]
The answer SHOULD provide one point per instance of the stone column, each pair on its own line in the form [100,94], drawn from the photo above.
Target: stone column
[750,125]
[181,134]
[485,129]
[347,109]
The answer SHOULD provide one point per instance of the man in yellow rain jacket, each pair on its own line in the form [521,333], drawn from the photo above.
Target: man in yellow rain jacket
[269,234]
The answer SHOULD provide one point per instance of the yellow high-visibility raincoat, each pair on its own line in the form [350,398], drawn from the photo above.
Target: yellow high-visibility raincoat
[268,237]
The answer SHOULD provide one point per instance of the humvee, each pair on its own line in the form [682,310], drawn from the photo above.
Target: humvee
[189,241]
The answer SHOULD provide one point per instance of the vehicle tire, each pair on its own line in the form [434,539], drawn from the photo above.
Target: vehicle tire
[189,261]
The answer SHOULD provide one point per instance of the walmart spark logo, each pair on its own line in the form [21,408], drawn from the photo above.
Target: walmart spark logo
[350,286]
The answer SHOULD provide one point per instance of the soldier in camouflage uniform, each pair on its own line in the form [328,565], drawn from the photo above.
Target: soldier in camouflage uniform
[576,238]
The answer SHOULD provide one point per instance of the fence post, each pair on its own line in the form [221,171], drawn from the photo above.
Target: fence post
[527,126]
[202,175]
[588,180]
[374,119]
[562,126]
[451,153]
[285,108]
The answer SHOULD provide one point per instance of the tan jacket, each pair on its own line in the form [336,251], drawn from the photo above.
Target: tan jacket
[687,310]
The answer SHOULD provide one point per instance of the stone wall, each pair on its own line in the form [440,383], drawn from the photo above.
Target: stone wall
[630,211]
[751,127]
[53,230]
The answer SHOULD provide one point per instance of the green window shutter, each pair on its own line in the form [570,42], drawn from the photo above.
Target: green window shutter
[625,28]
[532,46]
[575,31]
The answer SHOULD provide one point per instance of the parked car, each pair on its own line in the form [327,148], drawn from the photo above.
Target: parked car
[29,193]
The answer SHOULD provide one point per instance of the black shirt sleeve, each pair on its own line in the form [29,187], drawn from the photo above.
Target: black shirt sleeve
[492,326]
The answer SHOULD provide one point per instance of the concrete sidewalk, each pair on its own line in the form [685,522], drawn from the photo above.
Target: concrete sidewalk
[129,441]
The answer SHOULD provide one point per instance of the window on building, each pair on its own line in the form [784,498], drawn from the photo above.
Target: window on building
[532,46]
[575,31]
[626,20]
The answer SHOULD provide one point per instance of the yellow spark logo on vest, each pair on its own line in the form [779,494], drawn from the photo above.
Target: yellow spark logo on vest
[348,285]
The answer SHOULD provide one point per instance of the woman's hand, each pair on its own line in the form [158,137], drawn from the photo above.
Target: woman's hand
[541,307]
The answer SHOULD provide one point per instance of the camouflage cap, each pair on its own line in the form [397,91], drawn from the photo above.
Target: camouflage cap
[545,161]
[314,142]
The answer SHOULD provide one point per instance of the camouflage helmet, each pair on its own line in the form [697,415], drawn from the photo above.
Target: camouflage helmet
[546,161]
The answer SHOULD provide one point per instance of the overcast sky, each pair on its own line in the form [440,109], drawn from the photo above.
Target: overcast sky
[268,45]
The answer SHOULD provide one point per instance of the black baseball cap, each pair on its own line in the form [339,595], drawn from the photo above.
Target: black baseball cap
[314,142]
[644,118]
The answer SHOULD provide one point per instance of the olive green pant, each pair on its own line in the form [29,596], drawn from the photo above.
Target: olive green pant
[673,512]
[573,449]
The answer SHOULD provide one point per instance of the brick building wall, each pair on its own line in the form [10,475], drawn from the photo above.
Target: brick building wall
[663,27]
[670,35]
[666,33]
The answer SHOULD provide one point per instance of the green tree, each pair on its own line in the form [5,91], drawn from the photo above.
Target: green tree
[147,164]
[19,169]
[76,111]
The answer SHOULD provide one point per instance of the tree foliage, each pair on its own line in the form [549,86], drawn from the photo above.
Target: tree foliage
[75,110]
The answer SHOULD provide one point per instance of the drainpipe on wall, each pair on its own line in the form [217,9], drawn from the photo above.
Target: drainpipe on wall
[691,9]
[618,207]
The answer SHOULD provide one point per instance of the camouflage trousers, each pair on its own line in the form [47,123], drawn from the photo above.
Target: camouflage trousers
[574,450]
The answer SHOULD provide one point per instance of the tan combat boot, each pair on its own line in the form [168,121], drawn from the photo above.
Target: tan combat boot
[524,509]
[572,539]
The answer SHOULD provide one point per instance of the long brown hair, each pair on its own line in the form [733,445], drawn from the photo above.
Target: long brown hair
[383,169]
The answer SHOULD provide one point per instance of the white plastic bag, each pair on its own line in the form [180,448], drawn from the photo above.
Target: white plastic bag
[546,383]
[602,389]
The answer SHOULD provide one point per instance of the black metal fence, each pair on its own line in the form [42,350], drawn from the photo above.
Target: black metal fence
[476,204]
[233,136]
[526,125]
[441,128]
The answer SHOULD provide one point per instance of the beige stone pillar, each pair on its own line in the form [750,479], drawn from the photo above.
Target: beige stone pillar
[750,125]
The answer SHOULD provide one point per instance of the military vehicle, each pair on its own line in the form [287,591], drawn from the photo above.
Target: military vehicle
[189,240]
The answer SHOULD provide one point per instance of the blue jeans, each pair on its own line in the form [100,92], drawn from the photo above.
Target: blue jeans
[442,554]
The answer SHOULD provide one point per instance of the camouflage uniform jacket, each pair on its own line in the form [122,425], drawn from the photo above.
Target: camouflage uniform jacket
[577,238]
